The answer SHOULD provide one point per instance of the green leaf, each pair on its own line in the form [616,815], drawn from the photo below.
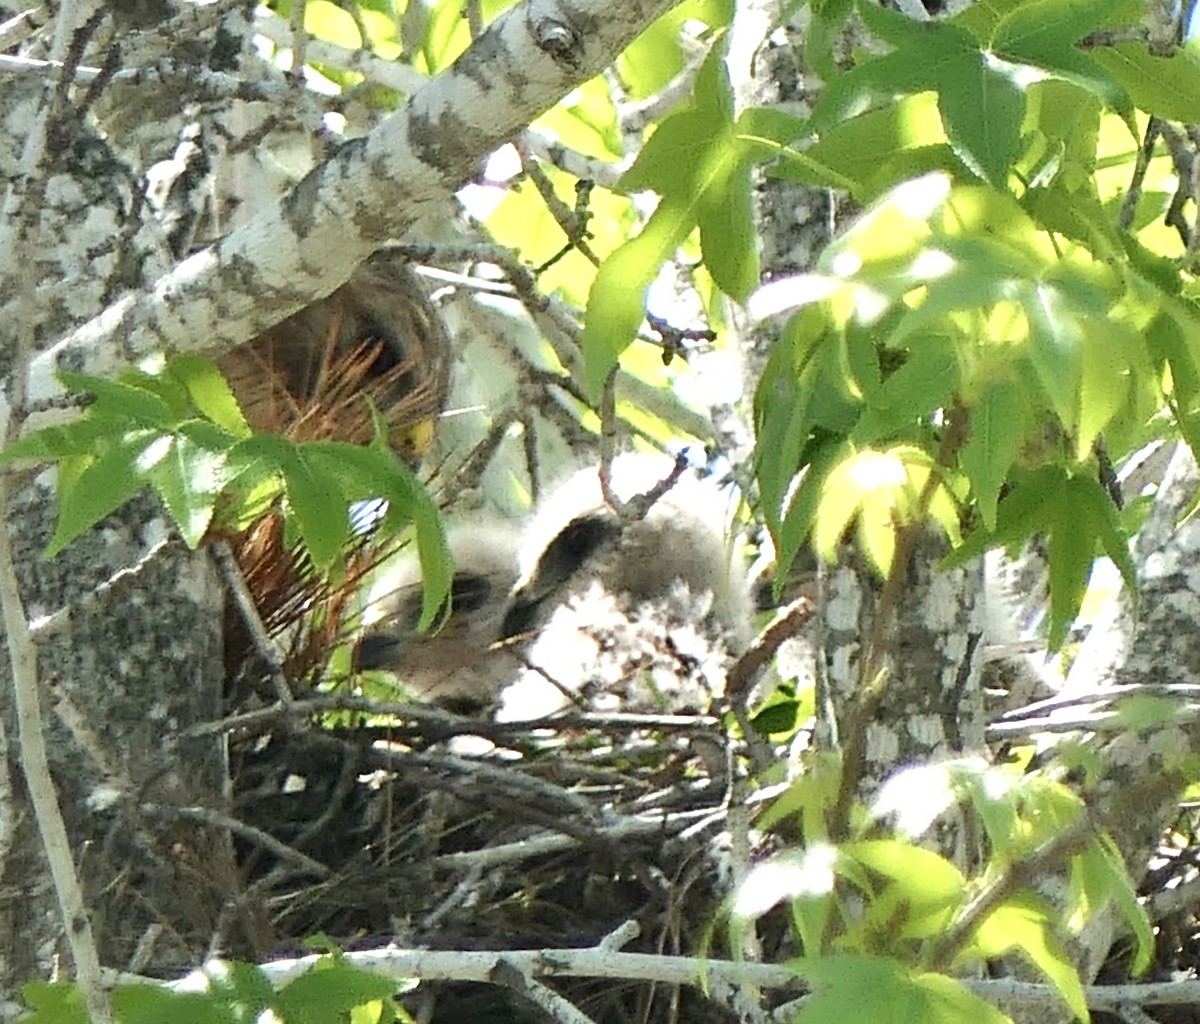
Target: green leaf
[1072,553]
[1124,895]
[801,513]
[209,392]
[924,889]
[876,150]
[53,1003]
[1026,509]
[95,487]
[321,511]
[376,472]
[1044,34]
[188,478]
[616,304]
[982,109]
[726,217]
[924,383]
[998,425]
[981,105]
[330,989]
[861,988]
[124,403]
[146,1004]
[1056,338]
[1026,923]
[83,436]
[820,39]
[947,1001]
[701,171]
[1101,519]
[1167,87]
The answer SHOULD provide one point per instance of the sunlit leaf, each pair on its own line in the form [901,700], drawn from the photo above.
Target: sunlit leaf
[1026,924]
[998,425]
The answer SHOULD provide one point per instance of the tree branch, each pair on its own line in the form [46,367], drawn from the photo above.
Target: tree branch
[370,190]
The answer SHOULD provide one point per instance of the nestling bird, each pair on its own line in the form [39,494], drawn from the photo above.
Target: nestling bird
[637,613]
[460,664]
[377,343]
[627,612]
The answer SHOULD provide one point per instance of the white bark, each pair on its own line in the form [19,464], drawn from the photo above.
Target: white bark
[370,190]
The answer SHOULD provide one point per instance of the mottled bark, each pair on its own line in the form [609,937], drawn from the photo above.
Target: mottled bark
[173,151]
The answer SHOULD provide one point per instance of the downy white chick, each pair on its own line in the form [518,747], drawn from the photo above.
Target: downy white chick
[459,665]
[629,614]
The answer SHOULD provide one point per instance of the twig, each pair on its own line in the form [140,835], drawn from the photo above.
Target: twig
[573,223]
[621,936]
[1141,164]
[740,679]
[556,1007]
[202,82]
[388,73]
[249,832]
[541,845]
[20,218]
[46,626]
[267,649]
[299,42]
[21,26]
[635,116]
[874,674]
[552,151]
[598,962]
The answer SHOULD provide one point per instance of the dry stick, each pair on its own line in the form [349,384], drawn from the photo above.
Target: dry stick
[20,219]
[572,223]
[36,767]
[556,1007]
[391,74]
[1133,194]
[21,26]
[267,648]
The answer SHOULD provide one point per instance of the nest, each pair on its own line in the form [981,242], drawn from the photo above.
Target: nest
[376,343]
[574,831]
[377,828]
[377,337]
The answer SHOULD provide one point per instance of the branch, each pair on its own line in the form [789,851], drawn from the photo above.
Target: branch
[602,962]
[370,190]
[389,73]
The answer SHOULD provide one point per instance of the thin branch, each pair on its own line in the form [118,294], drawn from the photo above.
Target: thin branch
[541,146]
[21,26]
[874,674]
[554,1006]
[59,621]
[249,832]
[199,82]
[388,73]
[600,962]
[266,647]
[17,232]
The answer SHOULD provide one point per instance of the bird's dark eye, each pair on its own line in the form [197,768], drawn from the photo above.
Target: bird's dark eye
[575,544]
[469,592]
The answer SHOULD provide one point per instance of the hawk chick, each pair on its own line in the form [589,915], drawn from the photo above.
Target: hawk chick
[460,664]
[627,613]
